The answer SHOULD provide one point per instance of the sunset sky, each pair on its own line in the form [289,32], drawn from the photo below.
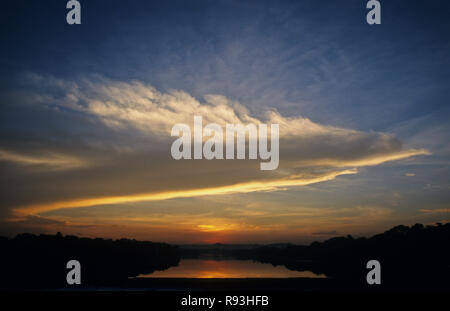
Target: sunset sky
[86,113]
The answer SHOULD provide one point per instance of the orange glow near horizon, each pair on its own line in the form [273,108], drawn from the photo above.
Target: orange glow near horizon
[247,187]
[208,269]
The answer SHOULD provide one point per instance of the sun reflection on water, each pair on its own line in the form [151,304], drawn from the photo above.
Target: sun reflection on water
[210,268]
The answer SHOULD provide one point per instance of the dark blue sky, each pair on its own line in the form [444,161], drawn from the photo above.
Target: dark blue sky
[315,59]
[320,60]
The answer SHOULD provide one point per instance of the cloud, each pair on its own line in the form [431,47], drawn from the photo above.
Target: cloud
[270,185]
[435,211]
[48,161]
[265,223]
[115,138]
[33,220]
[334,232]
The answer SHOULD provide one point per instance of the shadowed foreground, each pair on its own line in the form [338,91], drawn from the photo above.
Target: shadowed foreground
[412,258]
[39,262]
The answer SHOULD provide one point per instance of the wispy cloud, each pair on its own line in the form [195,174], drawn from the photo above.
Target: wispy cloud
[309,152]
[47,161]
[270,185]
[435,211]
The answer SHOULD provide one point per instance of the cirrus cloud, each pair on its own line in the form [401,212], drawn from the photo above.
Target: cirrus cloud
[130,160]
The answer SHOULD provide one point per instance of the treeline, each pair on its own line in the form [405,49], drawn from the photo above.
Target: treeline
[408,255]
[414,257]
[39,261]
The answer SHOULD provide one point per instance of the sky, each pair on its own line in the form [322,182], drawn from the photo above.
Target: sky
[86,113]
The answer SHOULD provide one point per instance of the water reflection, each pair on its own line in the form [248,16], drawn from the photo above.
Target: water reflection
[230,268]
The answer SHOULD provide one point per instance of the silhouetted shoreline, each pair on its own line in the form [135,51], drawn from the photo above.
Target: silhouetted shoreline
[33,262]
[412,258]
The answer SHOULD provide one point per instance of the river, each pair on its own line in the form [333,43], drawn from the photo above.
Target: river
[228,268]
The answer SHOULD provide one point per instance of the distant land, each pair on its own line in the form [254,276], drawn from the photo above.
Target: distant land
[412,258]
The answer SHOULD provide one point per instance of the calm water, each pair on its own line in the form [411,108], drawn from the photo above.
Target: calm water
[210,268]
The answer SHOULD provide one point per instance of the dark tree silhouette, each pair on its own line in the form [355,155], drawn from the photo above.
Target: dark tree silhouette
[35,262]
